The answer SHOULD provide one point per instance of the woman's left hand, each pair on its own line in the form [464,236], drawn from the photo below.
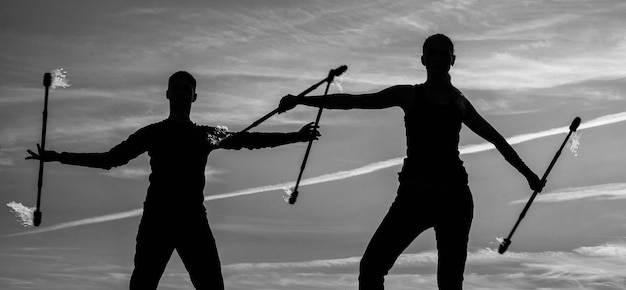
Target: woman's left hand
[535,183]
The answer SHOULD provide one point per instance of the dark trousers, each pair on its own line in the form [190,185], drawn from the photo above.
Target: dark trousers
[449,210]
[191,237]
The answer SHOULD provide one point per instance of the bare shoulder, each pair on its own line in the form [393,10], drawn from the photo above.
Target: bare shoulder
[462,102]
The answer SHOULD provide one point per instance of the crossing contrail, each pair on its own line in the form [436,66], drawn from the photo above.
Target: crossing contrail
[372,167]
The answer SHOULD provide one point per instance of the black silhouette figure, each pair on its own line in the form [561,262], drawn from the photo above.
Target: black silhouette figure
[174,216]
[433,189]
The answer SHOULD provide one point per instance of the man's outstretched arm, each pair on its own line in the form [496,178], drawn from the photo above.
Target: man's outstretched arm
[263,140]
[117,156]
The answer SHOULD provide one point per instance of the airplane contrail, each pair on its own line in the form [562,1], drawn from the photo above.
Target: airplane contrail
[372,167]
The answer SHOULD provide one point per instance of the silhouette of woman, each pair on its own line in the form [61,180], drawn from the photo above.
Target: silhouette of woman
[433,189]
[174,217]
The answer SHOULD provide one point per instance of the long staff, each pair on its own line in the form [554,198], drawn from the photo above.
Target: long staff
[328,79]
[504,245]
[331,76]
[47,81]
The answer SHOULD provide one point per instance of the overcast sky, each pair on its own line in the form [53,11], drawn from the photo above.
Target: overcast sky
[527,66]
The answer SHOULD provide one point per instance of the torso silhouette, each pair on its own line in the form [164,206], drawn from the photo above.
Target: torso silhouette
[178,155]
[432,134]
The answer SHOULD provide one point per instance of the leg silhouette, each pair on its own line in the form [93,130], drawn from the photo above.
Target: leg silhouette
[452,233]
[153,250]
[198,251]
[405,220]
[416,209]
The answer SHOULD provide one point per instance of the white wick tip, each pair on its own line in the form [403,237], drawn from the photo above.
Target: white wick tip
[337,82]
[220,133]
[288,193]
[574,143]
[23,213]
[59,79]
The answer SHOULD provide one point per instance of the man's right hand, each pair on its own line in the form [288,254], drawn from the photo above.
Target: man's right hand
[309,132]
[287,103]
[43,155]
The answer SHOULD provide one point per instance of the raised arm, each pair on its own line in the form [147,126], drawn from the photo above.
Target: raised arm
[117,156]
[480,126]
[394,96]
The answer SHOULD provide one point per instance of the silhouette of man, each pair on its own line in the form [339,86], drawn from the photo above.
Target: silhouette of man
[433,189]
[174,216]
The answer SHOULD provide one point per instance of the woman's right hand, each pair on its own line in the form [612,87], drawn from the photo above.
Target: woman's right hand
[287,103]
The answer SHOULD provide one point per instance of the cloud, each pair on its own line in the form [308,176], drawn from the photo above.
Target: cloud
[607,250]
[141,11]
[141,172]
[588,267]
[610,191]
[5,161]
[289,43]
[128,172]
[478,257]
[581,268]
[93,220]
[310,265]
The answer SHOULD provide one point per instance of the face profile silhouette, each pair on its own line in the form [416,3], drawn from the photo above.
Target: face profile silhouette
[438,54]
[181,93]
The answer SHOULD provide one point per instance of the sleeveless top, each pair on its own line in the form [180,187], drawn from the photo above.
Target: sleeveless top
[432,134]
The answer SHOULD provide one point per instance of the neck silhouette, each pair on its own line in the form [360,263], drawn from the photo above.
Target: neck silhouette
[180,112]
[438,79]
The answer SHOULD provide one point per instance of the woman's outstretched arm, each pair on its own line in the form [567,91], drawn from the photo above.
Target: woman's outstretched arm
[480,126]
[394,96]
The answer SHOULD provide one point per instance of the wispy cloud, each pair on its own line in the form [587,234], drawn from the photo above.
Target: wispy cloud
[514,70]
[127,172]
[611,191]
[139,11]
[292,43]
[485,256]
[5,161]
[87,221]
[141,172]
[468,149]
[608,250]
[581,268]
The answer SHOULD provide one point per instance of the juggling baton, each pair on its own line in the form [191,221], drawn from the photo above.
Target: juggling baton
[331,76]
[504,245]
[47,82]
[335,72]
